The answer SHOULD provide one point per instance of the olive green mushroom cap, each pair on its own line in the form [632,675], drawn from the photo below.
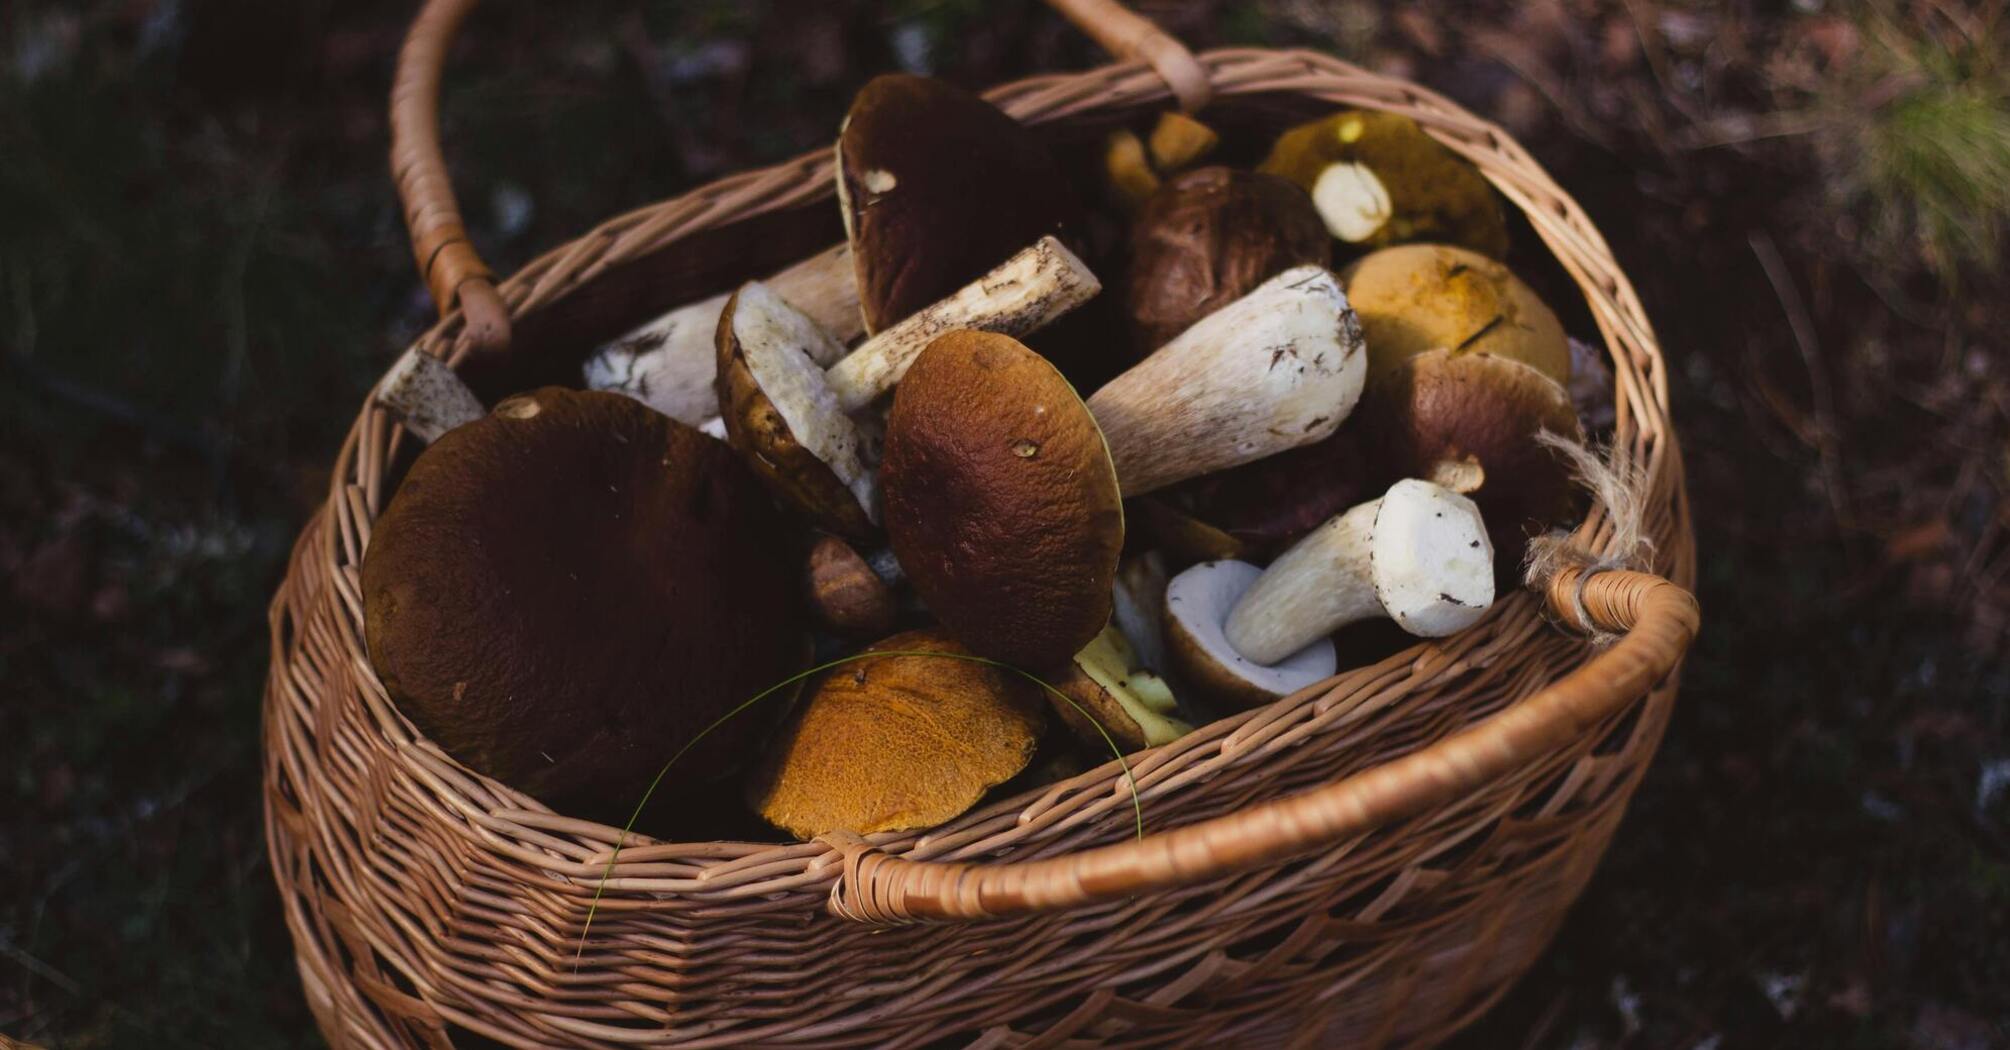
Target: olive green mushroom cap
[566,591]
[1001,502]
[1422,297]
[1378,179]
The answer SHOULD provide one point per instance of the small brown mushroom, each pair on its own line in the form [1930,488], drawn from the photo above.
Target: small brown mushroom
[1378,179]
[845,592]
[566,591]
[1469,422]
[1001,501]
[898,741]
[1206,239]
[1428,296]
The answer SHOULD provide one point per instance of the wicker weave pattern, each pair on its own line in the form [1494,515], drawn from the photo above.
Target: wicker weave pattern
[420,894]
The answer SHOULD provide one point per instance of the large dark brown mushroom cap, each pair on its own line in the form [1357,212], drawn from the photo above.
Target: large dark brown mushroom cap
[1469,422]
[1001,501]
[566,591]
[939,186]
[1205,239]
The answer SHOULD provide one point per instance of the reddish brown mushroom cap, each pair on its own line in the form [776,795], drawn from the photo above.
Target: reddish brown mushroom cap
[564,592]
[1207,238]
[1001,501]
[1469,422]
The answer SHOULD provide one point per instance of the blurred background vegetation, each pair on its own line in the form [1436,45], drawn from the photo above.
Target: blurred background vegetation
[202,270]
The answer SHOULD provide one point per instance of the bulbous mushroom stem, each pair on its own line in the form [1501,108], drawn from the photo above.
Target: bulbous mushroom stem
[1021,295]
[1277,368]
[425,395]
[668,364]
[1419,555]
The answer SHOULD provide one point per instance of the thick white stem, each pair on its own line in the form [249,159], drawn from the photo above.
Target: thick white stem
[668,364]
[426,395]
[1324,582]
[1277,368]
[1023,294]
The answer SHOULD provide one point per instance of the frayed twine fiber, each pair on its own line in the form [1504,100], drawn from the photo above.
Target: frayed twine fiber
[1620,486]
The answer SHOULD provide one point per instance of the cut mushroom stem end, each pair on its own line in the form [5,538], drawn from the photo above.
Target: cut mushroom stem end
[1419,555]
[425,395]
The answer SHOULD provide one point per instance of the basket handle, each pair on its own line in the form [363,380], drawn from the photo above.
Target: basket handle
[455,273]
[1659,620]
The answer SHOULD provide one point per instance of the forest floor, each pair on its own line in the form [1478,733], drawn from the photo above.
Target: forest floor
[202,270]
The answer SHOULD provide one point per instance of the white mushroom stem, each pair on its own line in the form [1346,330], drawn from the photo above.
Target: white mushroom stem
[668,363]
[1419,555]
[1277,368]
[1024,293]
[425,395]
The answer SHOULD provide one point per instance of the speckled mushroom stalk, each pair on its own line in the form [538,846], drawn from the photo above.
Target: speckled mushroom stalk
[421,392]
[1023,294]
[1419,555]
[1278,368]
[668,364]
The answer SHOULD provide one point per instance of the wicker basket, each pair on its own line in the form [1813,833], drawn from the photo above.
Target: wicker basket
[1369,863]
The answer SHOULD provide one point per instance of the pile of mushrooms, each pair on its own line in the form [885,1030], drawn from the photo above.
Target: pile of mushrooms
[1037,491]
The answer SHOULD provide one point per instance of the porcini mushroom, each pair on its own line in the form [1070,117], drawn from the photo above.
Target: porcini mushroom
[1107,690]
[936,186]
[846,592]
[1419,555]
[1001,501]
[898,741]
[669,363]
[1378,179]
[1469,422]
[1277,368]
[1426,296]
[778,409]
[564,592]
[803,435]
[1197,602]
[1205,239]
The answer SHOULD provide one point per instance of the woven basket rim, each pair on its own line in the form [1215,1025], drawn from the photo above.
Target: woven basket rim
[575,848]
